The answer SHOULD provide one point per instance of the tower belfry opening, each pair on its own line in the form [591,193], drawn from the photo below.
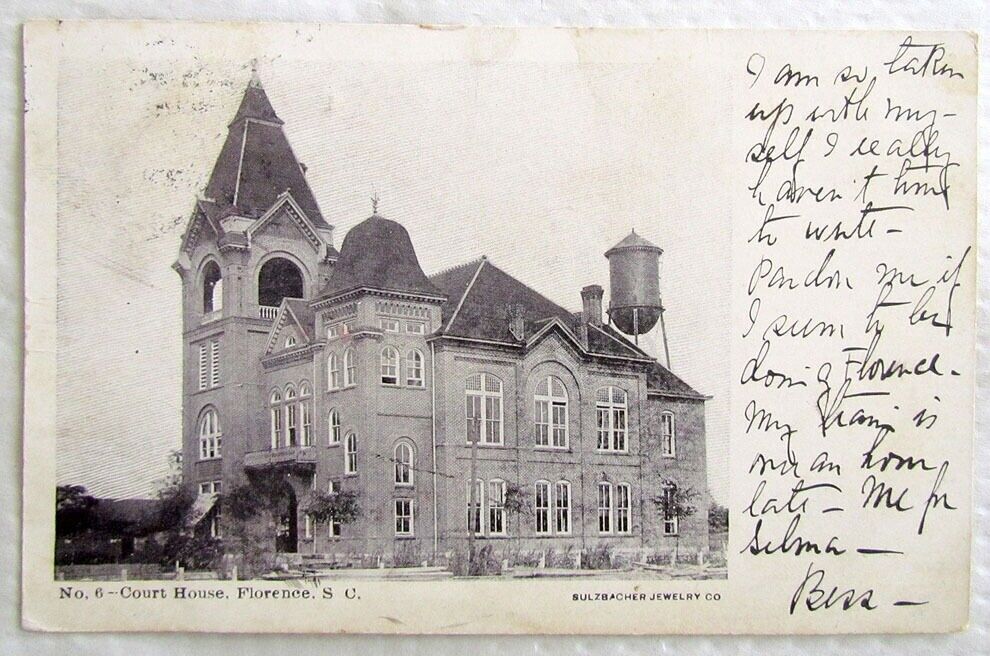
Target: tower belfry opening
[279,278]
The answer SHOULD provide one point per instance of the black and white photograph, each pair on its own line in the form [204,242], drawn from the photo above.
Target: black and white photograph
[374,329]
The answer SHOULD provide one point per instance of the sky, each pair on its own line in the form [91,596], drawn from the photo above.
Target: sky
[541,167]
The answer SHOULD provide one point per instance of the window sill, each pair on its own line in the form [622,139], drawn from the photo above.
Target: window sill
[333,445]
[405,537]
[405,486]
[608,452]
[487,445]
[210,459]
[384,384]
[415,387]
[552,449]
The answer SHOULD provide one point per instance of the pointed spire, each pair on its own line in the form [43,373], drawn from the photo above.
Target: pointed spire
[255,103]
[256,163]
[374,202]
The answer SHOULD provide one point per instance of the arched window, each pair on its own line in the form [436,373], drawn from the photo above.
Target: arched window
[306,403]
[291,415]
[350,368]
[276,413]
[414,369]
[350,454]
[212,288]
[483,394]
[333,372]
[334,423]
[403,457]
[551,413]
[290,341]
[209,435]
[278,278]
[668,439]
[390,366]
[562,507]
[611,410]
[541,506]
[669,492]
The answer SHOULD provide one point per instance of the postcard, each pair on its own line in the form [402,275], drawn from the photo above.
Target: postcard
[436,329]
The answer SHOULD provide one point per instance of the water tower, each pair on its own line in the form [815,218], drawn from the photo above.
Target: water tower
[634,297]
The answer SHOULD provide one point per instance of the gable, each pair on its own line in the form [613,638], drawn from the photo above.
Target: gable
[285,221]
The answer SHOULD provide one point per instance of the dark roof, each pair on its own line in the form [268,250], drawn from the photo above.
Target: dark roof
[255,104]
[633,241]
[256,164]
[485,296]
[304,315]
[481,298]
[377,253]
[133,515]
[660,379]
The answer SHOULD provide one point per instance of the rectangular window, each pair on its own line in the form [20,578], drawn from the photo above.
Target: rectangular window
[389,325]
[307,424]
[414,369]
[291,423]
[667,435]
[541,507]
[415,327]
[559,417]
[496,507]
[562,507]
[474,510]
[390,367]
[333,332]
[209,487]
[618,429]
[204,365]
[604,508]
[604,437]
[493,420]
[542,423]
[403,517]
[307,527]
[214,363]
[473,418]
[276,428]
[333,528]
[350,454]
[622,508]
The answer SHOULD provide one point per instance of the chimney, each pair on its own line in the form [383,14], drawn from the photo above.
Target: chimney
[517,321]
[591,297]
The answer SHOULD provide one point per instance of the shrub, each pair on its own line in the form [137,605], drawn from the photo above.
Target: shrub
[598,558]
[485,563]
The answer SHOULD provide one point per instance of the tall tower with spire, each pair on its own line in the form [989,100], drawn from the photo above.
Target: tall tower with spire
[256,237]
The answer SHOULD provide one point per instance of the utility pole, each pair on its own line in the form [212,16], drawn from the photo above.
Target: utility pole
[473,496]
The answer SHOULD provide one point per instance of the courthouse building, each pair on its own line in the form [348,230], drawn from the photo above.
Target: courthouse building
[355,370]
